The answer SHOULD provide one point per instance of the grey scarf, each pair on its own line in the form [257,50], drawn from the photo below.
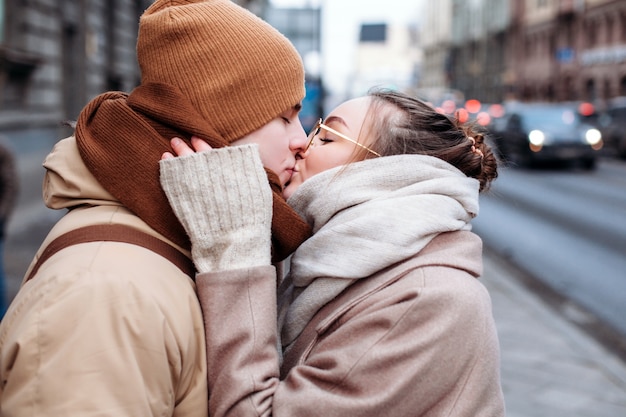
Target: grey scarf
[365,217]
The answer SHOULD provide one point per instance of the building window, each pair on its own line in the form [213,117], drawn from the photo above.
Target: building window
[72,66]
[550,45]
[16,65]
[606,92]
[590,90]
[1,21]
[15,74]
[592,34]
[373,33]
[534,46]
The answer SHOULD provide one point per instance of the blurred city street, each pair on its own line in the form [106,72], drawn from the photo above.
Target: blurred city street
[555,239]
[551,366]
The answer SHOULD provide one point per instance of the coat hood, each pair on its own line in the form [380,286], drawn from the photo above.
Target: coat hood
[68,183]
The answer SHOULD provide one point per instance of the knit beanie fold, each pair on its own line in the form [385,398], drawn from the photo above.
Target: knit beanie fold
[235,69]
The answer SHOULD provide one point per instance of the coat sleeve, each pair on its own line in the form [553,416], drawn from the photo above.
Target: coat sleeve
[240,316]
[403,352]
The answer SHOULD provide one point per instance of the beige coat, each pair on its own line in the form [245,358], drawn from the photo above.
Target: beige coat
[103,328]
[417,339]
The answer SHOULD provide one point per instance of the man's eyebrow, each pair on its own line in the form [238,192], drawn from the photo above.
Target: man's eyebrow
[297,108]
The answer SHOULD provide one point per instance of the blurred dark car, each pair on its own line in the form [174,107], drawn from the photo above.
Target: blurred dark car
[530,133]
[612,124]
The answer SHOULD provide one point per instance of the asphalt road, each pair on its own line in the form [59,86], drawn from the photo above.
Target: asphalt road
[565,229]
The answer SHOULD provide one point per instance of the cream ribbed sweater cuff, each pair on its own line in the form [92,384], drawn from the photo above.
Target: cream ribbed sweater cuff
[223,199]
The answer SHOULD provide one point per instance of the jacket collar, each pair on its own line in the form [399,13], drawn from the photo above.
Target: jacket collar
[459,250]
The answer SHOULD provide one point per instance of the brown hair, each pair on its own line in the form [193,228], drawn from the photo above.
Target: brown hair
[412,126]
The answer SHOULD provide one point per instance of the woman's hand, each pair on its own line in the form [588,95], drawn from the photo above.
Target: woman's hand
[223,200]
[180,148]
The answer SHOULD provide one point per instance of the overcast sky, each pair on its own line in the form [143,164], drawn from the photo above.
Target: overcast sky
[341,20]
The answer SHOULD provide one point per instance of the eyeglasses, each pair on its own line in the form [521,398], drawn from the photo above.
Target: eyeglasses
[316,130]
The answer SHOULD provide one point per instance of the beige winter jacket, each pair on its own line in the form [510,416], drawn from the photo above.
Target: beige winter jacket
[416,339]
[104,328]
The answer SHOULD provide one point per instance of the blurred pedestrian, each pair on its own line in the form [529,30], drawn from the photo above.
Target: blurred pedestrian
[104,327]
[381,313]
[8,197]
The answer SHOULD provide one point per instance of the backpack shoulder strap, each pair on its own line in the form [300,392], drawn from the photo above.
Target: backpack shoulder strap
[115,233]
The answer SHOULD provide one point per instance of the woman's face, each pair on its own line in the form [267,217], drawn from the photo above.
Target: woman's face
[329,150]
[279,141]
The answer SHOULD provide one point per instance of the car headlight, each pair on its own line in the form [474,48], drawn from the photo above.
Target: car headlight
[536,137]
[593,136]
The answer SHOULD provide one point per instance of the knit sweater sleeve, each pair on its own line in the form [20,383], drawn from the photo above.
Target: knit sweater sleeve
[223,200]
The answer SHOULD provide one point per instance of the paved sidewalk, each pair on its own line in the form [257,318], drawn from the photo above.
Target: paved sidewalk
[550,367]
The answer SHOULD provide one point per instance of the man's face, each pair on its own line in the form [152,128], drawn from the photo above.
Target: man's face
[279,141]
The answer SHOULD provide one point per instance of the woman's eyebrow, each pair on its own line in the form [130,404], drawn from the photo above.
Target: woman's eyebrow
[337,119]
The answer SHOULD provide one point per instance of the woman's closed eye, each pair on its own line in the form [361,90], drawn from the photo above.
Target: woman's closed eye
[326,140]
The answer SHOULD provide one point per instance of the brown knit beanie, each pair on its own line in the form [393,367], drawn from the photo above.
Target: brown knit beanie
[235,69]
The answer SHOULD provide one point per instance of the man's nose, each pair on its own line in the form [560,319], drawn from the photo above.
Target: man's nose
[298,140]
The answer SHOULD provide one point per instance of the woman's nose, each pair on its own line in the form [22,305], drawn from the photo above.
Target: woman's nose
[302,153]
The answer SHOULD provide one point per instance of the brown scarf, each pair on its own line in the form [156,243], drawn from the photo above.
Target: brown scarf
[121,138]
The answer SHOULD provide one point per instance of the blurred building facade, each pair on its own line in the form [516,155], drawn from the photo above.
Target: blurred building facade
[387,56]
[303,27]
[56,55]
[548,50]
[436,43]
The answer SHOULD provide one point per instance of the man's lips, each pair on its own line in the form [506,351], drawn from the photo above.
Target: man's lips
[292,171]
[289,172]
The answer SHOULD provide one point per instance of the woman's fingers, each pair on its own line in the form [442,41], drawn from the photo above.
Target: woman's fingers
[180,148]
[199,145]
